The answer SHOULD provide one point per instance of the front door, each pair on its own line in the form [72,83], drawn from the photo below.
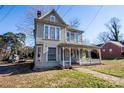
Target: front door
[39,53]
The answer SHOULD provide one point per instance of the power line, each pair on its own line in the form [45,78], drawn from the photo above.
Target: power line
[7,13]
[58,7]
[94,17]
[67,11]
[1,7]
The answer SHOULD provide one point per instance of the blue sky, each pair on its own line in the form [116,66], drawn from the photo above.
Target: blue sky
[84,13]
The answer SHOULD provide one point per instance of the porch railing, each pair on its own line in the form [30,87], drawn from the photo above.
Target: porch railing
[89,61]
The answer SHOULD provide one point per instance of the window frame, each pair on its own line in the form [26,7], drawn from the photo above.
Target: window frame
[103,50]
[110,49]
[54,18]
[68,37]
[76,37]
[48,54]
[56,27]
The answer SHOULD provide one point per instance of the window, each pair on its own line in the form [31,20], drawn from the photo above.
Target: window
[52,18]
[110,50]
[76,37]
[72,36]
[68,36]
[52,33]
[103,50]
[57,33]
[46,32]
[51,54]
[80,38]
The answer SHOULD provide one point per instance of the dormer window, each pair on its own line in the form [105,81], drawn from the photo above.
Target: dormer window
[52,18]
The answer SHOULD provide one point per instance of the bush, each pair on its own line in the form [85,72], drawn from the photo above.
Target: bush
[5,58]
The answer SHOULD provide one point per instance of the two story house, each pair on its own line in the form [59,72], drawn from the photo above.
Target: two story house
[56,43]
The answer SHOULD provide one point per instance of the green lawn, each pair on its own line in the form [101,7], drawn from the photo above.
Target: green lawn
[55,78]
[112,67]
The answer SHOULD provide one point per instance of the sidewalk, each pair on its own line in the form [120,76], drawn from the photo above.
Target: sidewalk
[112,79]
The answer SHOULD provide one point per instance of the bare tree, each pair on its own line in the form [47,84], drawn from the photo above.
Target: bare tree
[75,22]
[27,24]
[103,37]
[86,41]
[114,31]
[114,28]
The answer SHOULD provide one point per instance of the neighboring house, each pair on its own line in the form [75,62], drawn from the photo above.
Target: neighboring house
[56,43]
[112,50]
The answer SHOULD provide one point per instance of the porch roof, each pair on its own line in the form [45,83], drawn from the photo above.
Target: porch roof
[90,46]
[70,45]
[78,45]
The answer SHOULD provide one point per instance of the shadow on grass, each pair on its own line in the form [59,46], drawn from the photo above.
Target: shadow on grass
[20,68]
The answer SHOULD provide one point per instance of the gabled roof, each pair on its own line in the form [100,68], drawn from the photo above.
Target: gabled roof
[115,43]
[52,11]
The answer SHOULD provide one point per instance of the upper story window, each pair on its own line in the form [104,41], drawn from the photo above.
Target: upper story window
[80,37]
[52,32]
[68,36]
[46,32]
[76,37]
[52,18]
[58,33]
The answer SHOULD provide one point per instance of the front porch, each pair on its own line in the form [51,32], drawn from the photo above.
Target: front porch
[72,54]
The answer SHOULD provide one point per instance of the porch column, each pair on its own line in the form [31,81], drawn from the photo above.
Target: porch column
[60,55]
[63,57]
[79,55]
[89,55]
[35,60]
[100,58]
[69,56]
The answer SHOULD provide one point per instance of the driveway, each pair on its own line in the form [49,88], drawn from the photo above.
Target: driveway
[11,69]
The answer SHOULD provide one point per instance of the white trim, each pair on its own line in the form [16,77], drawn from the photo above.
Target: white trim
[70,56]
[47,54]
[63,56]
[109,42]
[79,55]
[100,57]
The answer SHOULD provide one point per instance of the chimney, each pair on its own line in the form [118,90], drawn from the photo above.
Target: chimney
[38,14]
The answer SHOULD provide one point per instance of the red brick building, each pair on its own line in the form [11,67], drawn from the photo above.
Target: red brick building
[112,50]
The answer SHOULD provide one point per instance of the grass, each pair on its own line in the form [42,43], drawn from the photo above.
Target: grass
[111,67]
[55,78]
